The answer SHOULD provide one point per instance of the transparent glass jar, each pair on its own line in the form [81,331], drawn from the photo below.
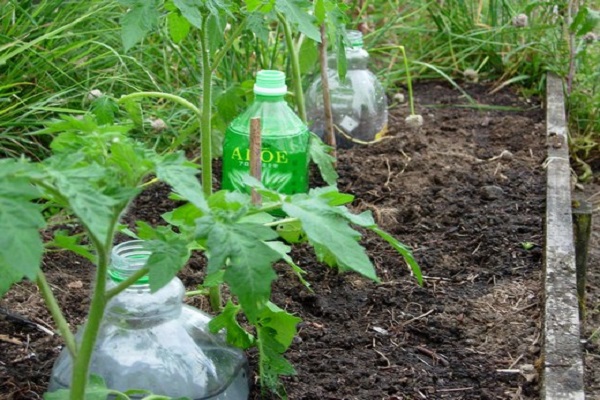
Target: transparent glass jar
[152,341]
[358,102]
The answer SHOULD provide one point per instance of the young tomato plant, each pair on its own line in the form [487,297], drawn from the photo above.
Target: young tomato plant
[243,240]
[94,173]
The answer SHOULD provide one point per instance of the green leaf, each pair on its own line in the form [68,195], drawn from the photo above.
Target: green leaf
[585,21]
[366,220]
[281,322]
[95,390]
[190,11]
[333,239]
[332,196]
[236,335]
[295,12]
[65,241]
[95,209]
[275,331]
[319,10]
[21,248]
[283,251]
[141,18]
[308,56]
[320,155]
[134,110]
[175,170]
[291,232]
[166,260]
[105,108]
[179,26]
[342,62]
[240,248]
[404,251]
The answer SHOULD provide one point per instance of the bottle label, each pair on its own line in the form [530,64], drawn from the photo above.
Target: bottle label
[284,162]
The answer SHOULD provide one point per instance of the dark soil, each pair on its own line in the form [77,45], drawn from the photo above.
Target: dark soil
[466,192]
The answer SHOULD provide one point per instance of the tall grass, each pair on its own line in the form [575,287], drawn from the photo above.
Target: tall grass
[54,52]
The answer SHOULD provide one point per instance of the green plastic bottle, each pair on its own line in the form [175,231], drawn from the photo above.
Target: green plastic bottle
[284,140]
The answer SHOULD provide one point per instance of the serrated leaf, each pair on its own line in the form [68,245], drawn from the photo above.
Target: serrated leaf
[236,335]
[21,247]
[283,251]
[404,251]
[180,174]
[327,230]
[319,154]
[272,363]
[366,220]
[65,241]
[190,11]
[332,196]
[134,110]
[166,260]
[104,108]
[295,12]
[179,26]
[291,232]
[94,209]
[281,322]
[248,260]
[255,23]
[141,18]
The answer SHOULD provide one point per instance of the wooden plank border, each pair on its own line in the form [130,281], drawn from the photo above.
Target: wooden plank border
[562,375]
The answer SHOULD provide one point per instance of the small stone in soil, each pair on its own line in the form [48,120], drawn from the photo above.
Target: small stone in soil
[491,192]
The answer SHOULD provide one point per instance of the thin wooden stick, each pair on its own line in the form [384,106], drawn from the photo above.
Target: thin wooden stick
[329,132]
[255,162]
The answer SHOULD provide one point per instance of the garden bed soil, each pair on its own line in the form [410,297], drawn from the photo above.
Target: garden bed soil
[466,192]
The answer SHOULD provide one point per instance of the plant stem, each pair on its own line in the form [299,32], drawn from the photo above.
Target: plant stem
[81,363]
[125,284]
[223,51]
[408,82]
[281,221]
[296,76]
[57,315]
[161,95]
[205,121]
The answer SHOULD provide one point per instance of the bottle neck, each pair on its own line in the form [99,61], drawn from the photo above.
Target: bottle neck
[137,306]
[268,99]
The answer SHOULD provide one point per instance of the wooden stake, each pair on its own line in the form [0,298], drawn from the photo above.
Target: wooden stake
[329,131]
[255,162]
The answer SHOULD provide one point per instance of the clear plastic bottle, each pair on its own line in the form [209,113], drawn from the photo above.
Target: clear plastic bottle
[152,341]
[284,140]
[358,103]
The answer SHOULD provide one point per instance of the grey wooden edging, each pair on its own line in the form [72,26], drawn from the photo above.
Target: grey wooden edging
[562,375]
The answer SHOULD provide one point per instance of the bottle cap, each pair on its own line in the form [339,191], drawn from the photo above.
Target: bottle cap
[355,38]
[270,83]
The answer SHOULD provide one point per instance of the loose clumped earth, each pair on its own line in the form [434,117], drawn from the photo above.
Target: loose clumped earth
[466,192]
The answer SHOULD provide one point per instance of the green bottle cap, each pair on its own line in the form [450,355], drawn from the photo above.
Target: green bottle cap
[270,83]
[355,38]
